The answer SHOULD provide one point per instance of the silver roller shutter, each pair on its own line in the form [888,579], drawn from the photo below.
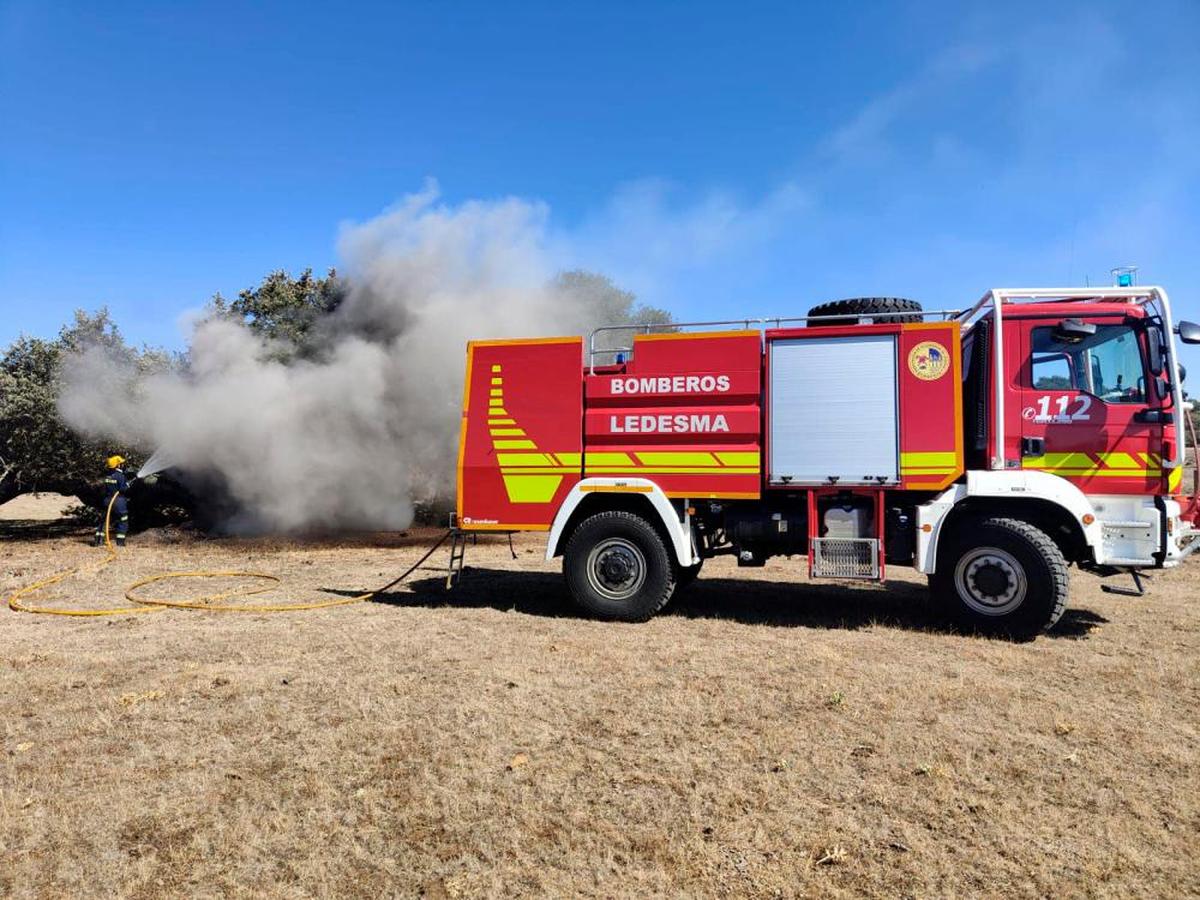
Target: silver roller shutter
[833,410]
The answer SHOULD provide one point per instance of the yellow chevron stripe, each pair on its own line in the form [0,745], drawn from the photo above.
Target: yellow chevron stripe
[738,457]
[598,458]
[930,459]
[641,470]
[524,459]
[514,445]
[1061,461]
[677,459]
[1096,472]
[538,470]
[671,470]
[531,488]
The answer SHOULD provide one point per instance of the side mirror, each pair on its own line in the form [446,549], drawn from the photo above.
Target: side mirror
[1072,331]
[1154,345]
[1189,332]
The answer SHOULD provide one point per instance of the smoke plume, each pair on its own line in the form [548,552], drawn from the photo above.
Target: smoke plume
[352,437]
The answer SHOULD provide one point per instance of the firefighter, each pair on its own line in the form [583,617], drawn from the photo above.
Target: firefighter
[115,484]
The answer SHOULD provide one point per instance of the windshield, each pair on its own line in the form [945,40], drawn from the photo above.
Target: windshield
[1107,364]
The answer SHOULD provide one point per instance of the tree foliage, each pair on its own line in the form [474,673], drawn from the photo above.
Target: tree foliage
[37,451]
[605,303]
[286,310]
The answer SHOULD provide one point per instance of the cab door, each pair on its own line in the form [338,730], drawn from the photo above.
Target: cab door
[1090,410]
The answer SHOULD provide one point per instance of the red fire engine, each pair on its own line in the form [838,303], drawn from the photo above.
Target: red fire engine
[989,448]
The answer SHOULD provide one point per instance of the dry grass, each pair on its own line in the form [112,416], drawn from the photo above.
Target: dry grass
[762,740]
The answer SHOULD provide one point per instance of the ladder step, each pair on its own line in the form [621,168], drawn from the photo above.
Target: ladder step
[845,558]
[458,552]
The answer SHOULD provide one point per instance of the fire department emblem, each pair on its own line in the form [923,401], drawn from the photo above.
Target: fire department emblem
[929,361]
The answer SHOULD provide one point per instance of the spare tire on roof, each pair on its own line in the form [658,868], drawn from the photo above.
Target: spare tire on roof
[898,309]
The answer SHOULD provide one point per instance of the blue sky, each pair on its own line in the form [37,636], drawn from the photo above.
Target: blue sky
[718,159]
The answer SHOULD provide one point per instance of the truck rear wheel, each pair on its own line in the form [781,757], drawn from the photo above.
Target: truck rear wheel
[618,567]
[1003,576]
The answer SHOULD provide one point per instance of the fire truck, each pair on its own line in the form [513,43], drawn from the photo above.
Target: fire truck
[989,448]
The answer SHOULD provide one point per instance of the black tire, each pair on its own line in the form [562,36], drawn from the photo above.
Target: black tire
[618,567]
[864,307]
[1002,576]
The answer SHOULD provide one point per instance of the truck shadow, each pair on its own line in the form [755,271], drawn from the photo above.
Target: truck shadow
[745,601]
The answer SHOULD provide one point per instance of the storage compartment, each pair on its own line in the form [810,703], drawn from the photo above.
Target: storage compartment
[849,517]
[833,410]
[845,541]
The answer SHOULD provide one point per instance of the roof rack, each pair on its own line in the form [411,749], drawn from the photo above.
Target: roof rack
[748,324]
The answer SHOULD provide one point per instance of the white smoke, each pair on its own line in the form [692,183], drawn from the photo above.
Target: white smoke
[354,437]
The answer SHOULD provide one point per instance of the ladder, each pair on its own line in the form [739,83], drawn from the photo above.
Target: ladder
[458,552]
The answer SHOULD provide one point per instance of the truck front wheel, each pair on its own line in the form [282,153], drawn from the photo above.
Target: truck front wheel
[1002,576]
[618,567]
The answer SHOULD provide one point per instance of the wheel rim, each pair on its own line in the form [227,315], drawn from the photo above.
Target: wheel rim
[990,581]
[616,568]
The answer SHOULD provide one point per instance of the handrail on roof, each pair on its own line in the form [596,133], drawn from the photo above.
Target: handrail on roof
[748,324]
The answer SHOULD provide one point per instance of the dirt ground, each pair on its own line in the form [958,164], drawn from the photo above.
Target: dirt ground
[766,737]
[36,507]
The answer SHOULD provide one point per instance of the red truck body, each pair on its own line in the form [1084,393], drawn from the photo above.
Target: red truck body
[853,442]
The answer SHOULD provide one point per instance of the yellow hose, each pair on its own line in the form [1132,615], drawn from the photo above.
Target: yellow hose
[207,602]
[14,599]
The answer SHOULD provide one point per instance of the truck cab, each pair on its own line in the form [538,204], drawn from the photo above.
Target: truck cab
[1089,393]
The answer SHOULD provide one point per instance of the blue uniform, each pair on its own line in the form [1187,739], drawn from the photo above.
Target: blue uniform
[115,483]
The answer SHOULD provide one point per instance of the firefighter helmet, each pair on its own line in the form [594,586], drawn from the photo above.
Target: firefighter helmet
[114,461]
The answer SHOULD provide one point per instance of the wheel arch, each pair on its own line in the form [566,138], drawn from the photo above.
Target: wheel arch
[638,496]
[1050,503]
[1055,520]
